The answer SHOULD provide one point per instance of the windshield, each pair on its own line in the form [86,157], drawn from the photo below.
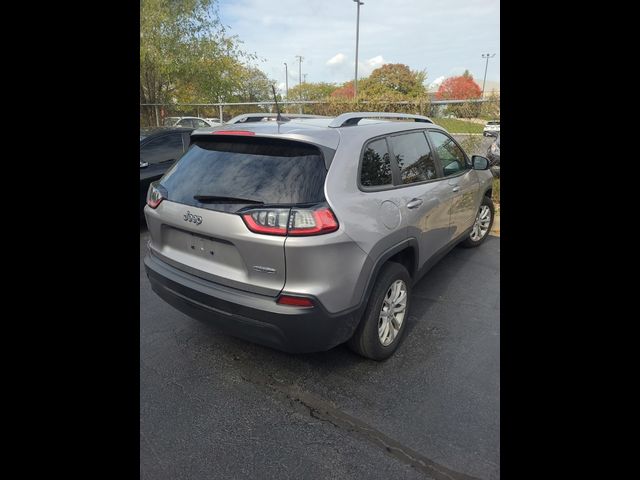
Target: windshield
[170,121]
[257,169]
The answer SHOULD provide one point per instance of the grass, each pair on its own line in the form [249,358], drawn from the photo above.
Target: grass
[495,192]
[454,125]
[472,144]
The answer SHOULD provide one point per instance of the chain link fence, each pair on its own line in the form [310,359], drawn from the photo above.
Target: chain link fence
[154,114]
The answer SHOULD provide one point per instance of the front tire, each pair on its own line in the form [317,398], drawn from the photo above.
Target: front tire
[482,224]
[385,318]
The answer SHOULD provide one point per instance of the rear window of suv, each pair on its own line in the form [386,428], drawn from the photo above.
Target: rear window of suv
[265,170]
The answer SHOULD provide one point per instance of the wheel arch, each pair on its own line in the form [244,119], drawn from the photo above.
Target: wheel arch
[405,253]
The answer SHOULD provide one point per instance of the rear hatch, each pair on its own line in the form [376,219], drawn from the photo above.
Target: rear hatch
[198,227]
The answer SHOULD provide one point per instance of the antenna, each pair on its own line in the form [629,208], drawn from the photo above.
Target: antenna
[275,98]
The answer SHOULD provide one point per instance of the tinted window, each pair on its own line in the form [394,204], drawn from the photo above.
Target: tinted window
[376,167]
[265,170]
[451,155]
[414,157]
[162,149]
[200,123]
[185,123]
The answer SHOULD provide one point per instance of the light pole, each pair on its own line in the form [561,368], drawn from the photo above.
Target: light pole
[286,80]
[355,83]
[299,57]
[487,56]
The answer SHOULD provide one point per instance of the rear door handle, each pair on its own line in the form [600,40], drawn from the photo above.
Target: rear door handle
[414,203]
[456,189]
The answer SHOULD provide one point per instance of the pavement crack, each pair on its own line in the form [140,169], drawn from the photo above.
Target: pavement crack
[325,412]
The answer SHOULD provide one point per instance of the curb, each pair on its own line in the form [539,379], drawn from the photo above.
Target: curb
[495,228]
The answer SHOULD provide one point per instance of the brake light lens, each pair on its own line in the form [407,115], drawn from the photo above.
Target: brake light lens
[233,132]
[271,221]
[154,196]
[312,222]
[294,221]
[294,301]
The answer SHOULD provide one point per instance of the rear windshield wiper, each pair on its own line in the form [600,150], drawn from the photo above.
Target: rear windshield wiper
[223,199]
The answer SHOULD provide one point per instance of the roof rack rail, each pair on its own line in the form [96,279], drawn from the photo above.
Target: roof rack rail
[258,116]
[352,118]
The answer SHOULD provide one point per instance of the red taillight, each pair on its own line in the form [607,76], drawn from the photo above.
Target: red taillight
[312,222]
[294,301]
[233,132]
[295,221]
[272,221]
[154,196]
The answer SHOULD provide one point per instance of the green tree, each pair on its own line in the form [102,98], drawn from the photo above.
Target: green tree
[253,85]
[311,91]
[185,53]
[394,81]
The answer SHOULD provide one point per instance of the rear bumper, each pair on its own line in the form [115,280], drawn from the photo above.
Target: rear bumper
[252,317]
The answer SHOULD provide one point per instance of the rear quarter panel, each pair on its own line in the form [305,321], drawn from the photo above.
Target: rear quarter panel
[372,221]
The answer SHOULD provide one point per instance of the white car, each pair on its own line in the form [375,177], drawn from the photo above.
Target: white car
[491,129]
[191,122]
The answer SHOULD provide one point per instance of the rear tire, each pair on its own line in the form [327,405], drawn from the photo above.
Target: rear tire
[382,326]
[481,227]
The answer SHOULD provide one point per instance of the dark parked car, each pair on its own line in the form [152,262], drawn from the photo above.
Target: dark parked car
[159,148]
[493,154]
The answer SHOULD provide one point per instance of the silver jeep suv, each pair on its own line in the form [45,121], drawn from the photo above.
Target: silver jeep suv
[303,234]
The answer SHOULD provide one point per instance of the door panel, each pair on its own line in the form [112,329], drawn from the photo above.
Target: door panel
[461,180]
[429,221]
[464,204]
[425,200]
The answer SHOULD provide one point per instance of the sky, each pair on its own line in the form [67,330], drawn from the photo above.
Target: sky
[445,37]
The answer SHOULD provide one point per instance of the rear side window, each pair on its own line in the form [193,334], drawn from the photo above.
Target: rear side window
[376,167]
[252,169]
[414,157]
[163,149]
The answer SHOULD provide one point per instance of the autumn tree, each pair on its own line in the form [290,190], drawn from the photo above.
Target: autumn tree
[459,88]
[345,91]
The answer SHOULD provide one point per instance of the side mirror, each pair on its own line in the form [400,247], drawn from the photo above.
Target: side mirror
[479,163]
[144,164]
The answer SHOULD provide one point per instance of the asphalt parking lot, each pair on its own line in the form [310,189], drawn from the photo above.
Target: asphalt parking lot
[212,406]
